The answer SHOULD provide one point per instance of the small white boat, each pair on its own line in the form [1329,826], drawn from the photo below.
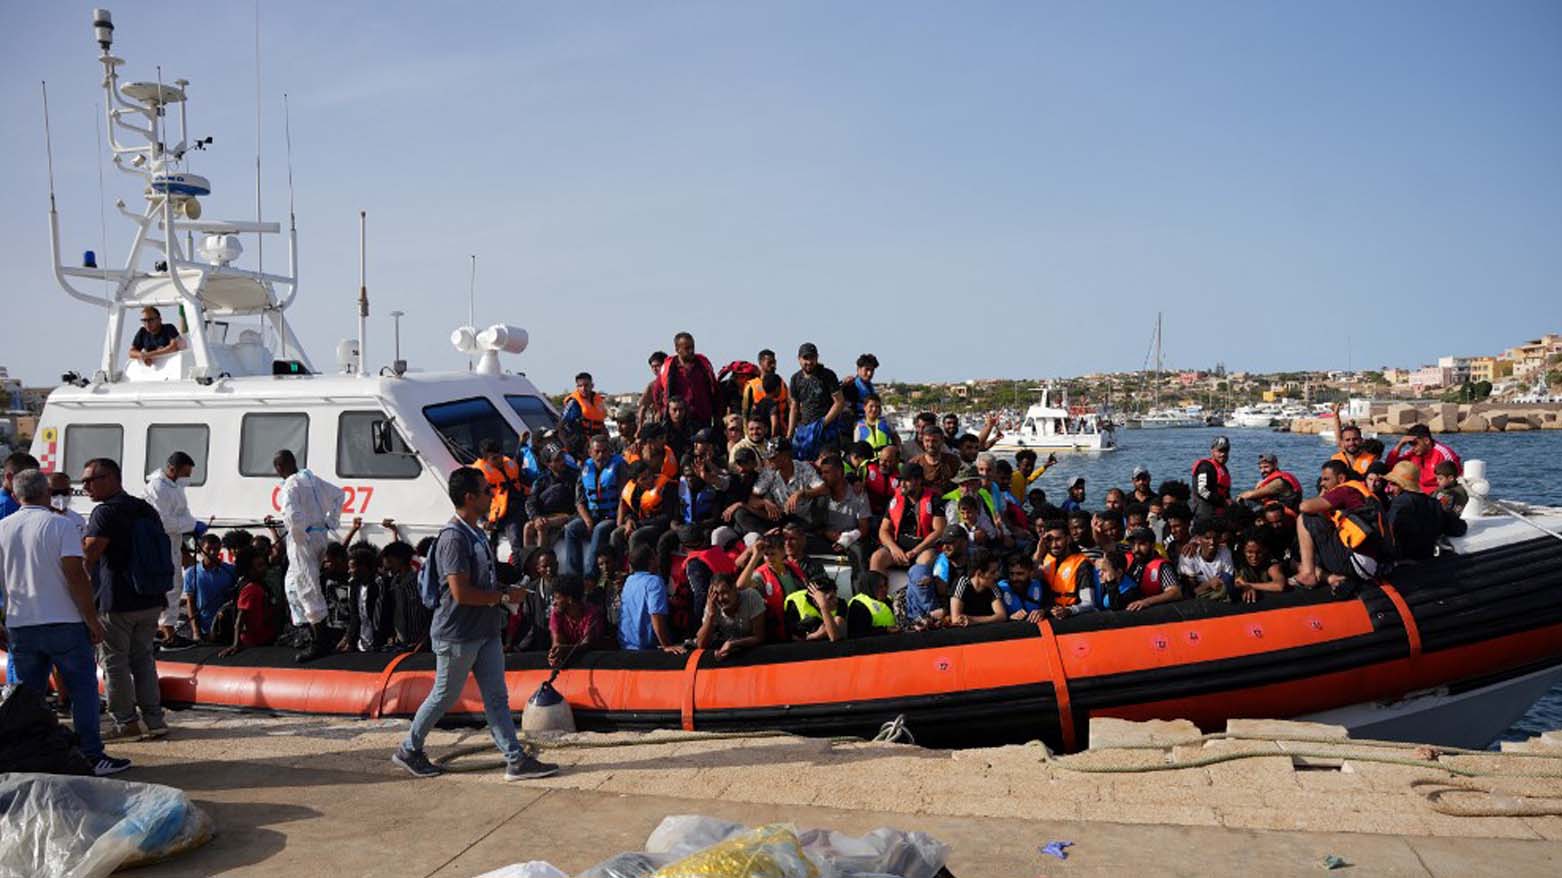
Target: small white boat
[1261,416]
[1162,419]
[1049,427]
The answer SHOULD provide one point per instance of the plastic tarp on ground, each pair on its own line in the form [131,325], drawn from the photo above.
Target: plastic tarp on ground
[87,827]
[683,846]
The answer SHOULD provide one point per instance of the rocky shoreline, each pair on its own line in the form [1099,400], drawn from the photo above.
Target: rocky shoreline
[1480,417]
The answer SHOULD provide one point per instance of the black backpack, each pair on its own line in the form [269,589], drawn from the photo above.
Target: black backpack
[151,567]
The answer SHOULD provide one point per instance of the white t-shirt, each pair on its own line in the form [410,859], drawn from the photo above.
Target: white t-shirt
[33,542]
[777,488]
[1201,570]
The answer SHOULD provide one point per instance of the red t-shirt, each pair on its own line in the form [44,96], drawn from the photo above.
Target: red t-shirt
[260,624]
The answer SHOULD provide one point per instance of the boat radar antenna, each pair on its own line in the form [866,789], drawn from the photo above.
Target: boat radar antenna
[208,288]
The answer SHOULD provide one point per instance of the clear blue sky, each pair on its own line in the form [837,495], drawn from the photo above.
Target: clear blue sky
[969,190]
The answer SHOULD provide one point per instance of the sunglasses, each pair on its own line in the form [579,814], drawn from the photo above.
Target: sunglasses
[66,492]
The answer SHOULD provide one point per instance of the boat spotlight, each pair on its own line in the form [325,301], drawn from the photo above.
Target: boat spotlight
[487,344]
[103,28]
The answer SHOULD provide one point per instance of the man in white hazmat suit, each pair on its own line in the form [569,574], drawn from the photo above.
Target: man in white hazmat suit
[311,512]
[165,491]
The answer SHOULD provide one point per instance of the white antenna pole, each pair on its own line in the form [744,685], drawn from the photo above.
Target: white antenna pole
[363,293]
[48,142]
[292,220]
[97,126]
[260,239]
[471,304]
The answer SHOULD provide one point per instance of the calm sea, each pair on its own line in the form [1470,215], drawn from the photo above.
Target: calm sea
[1520,466]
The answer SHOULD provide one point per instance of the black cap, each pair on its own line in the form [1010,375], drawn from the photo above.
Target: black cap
[808,349]
[1141,534]
[706,435]
[1221,443]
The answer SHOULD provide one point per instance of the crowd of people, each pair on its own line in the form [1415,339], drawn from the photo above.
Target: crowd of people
[724,512]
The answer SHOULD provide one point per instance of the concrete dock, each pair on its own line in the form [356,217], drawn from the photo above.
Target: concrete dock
[298,796]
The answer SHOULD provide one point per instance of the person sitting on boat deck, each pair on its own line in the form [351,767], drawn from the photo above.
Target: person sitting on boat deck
[871,611]
[911,525]
[506,517]
[815,612]
[1418,447]
[207,587]
[937,463]
[628,429]
[954,551]
[1116,586]
[756,432]
[975,599]
[856,388]
[856,459]
[677,431]
[255,614]
[771,575]
[1026,472]
[155,339]
[585,406]
[703,487]
[688,375]
[643,621]
[1416,521]
[1274,484]
[1075,501]
[1179,531]
[1068,574]
[880,479]
[951,430]
[871,427]
[765,396]
[1339,533]
[1106,531]
[785,484]
[918,606]
[1024,596]
[1141,492]
[1156,576]
[597,490]
[977,521]
[795,539]
[1450,494]
[968,448]
[1256,570]
[1115,502]
[649,502]
[575,625]
[724,554]
[410,620]
[1208,571]
[1351,453]
[840,521]
[817,405]
[734,620]
[1135,516]
[551,502]
[1376,481]
[651,401]
[1212,481]
[1081,532]
[1276,527]
[911,446]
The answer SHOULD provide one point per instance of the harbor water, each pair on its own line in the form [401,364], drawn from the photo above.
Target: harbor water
[1526,467]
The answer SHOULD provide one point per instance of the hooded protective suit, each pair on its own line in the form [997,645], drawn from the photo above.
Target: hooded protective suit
[167,497]
[311,511]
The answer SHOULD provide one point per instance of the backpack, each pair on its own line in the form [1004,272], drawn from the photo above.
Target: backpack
[429,581]
[151,568]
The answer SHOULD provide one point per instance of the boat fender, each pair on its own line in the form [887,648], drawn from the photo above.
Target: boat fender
[547,712]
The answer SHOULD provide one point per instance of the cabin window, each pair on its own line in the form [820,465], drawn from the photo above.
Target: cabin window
[534,413]
[355,454]
[465,423]
[163,440]
[261,436]
[84,442]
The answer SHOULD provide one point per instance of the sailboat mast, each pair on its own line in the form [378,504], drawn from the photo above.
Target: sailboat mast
[1157,391]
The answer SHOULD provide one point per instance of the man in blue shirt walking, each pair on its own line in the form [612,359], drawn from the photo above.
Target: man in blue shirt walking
[466,635]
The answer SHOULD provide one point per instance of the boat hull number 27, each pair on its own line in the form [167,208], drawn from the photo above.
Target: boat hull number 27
[355,499]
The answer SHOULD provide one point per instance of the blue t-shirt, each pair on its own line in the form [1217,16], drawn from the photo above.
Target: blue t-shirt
[1119,597]
[644,595]
[212,588]
[941,568]
[8,503]
[1027,597]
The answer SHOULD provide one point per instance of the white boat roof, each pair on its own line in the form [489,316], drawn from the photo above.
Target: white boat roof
[251,391]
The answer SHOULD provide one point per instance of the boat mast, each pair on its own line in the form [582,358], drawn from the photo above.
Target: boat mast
[1157,390]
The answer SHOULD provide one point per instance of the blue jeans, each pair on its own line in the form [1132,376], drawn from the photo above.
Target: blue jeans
[65,646]
[583,562]
[484,659]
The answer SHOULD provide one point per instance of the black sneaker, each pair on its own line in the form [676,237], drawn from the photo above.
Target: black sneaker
[317,648]
[529,769]
[416,763]
[107,765]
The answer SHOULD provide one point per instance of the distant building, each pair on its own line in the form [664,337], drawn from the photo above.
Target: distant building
[1429,378]
[1395,375]
[1456,370]
[1530,357]
[1492,369]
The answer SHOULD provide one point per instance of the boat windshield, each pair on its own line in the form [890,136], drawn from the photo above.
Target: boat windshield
[534,413]
[465,423]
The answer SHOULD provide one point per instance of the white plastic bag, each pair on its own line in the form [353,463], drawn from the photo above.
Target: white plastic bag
[533,869]
[87,827]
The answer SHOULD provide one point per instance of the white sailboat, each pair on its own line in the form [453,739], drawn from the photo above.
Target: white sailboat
[1158,418]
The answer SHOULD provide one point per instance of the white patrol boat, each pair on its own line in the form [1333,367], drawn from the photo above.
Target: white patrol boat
[1051,427]
[241,388]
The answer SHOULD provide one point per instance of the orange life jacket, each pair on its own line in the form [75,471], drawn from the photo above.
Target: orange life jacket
[501,477]
[647,501]
[897,511]
[1358,464]
[593,411]
[1062,578]
[1360,525]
